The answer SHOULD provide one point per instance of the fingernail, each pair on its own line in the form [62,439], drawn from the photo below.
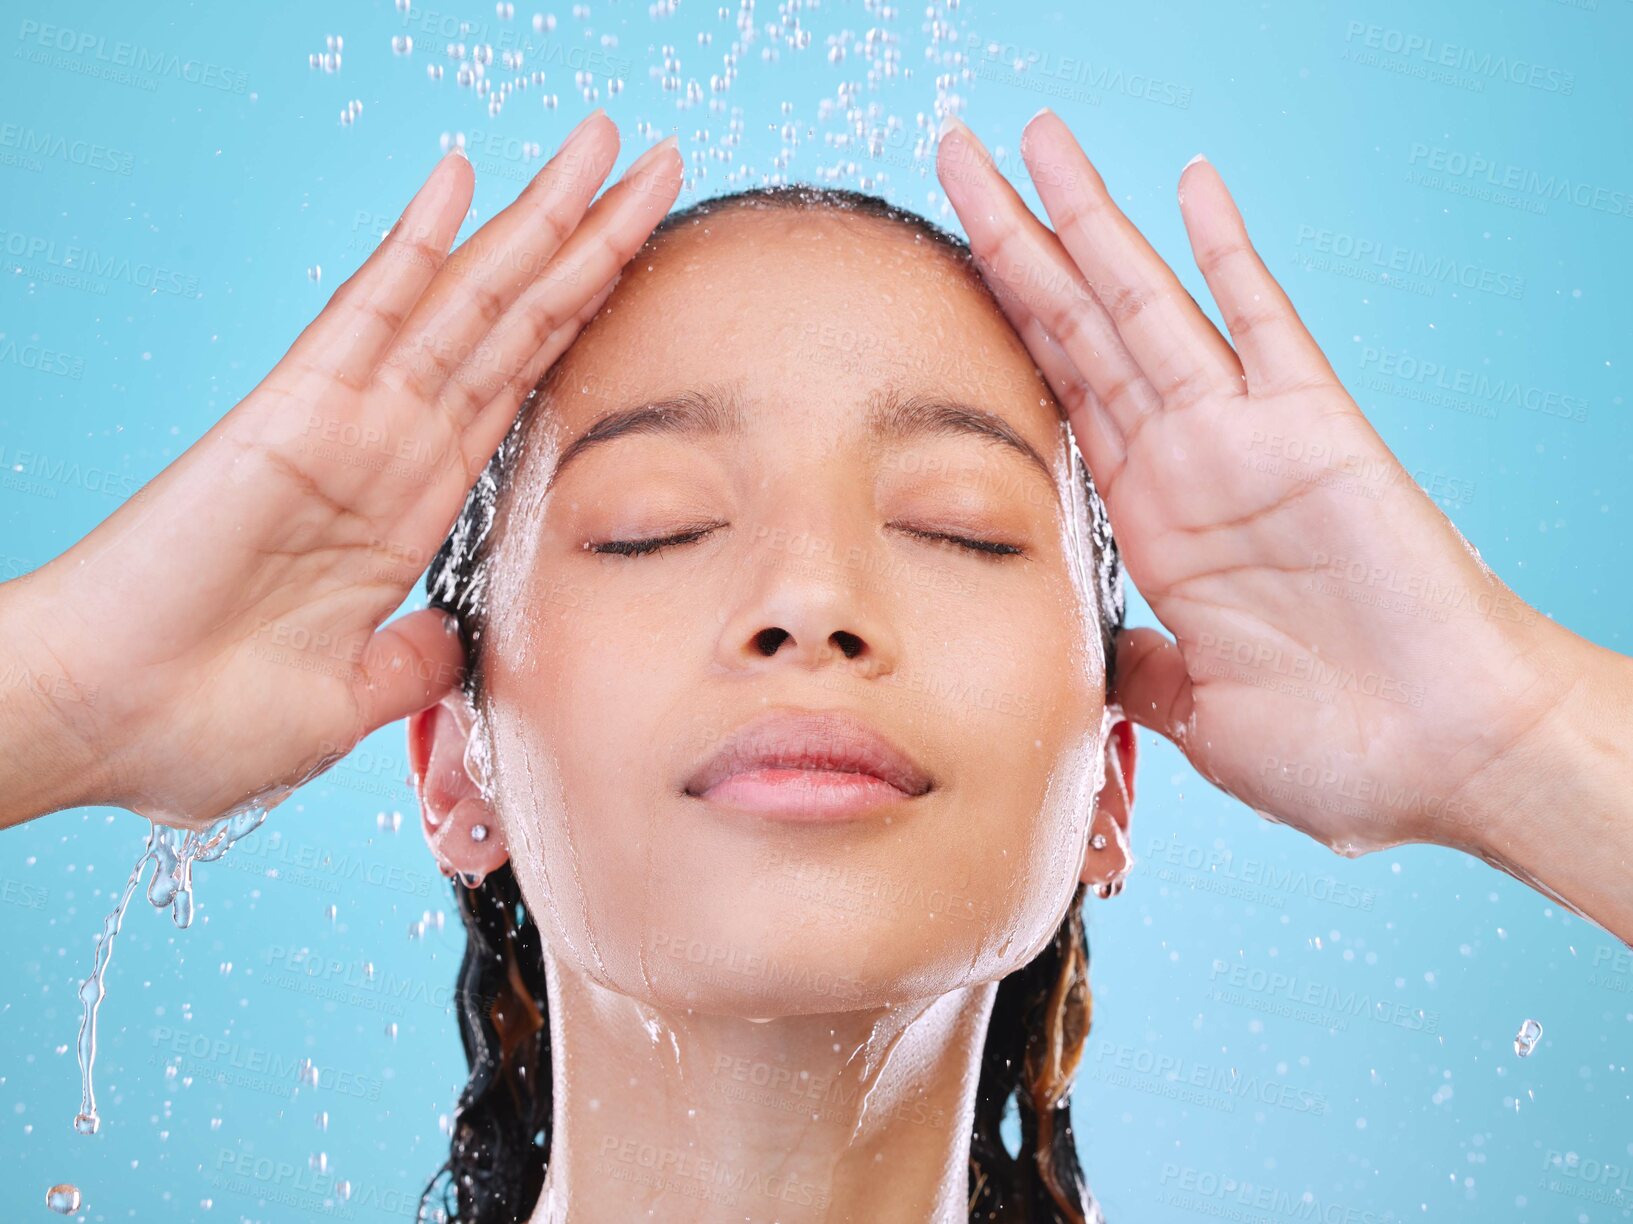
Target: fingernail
[952,123]
[1193,161]
[651,155]
[582,124]
[1043,111]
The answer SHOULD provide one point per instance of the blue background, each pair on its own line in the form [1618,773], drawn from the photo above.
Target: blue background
[160,221]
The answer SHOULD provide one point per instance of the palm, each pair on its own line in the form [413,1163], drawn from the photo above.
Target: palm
[1341,660]
[242,591]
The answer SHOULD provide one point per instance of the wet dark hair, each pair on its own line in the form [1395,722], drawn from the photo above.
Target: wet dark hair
[1040,1019]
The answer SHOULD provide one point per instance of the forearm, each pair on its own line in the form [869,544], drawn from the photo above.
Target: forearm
[45,715]
[1560,815]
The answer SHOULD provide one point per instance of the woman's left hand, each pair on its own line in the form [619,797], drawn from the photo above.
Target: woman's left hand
[1342,661]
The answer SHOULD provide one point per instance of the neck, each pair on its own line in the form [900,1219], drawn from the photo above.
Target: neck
[666,1113]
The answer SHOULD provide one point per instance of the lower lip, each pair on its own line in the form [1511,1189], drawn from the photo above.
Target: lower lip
[803,794]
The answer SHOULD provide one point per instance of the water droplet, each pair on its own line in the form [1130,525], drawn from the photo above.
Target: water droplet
[402,44]
[1526,1039]
[63,1199]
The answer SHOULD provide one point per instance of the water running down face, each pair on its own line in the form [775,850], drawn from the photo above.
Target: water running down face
[800,463]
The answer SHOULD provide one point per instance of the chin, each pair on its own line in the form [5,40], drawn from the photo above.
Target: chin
[743,952]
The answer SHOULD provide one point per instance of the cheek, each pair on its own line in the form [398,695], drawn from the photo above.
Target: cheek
[1022,713]
[580,768]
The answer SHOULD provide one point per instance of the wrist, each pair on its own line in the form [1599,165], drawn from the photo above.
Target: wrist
[47,714]
[1552,810]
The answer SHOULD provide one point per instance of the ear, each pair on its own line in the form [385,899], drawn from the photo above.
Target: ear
[1105,869]
[460,826]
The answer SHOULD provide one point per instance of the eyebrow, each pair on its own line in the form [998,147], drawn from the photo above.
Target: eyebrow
[892,418]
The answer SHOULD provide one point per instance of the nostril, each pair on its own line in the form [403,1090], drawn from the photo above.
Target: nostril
[848,642]
[767,641]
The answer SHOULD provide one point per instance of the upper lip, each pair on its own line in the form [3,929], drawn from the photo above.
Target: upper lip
[811,739]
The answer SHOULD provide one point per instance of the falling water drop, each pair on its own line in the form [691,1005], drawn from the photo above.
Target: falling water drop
[63,1199]
[1526,1039]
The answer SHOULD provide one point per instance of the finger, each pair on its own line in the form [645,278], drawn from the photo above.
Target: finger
[1152,683]
[487,273]
[1097,435]
[1276,349]
[1177,346]
[1027,266]
[350,335]
[408,665]
[1100,440]
[611,233]
[549,353]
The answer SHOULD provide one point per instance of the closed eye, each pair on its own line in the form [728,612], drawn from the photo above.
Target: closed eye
[636,548]
[993,550]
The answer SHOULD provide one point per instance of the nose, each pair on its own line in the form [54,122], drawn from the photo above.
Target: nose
[769,641]
[814,619]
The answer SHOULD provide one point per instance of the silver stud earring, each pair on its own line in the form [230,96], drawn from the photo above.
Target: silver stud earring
[1098,841]
[479,833]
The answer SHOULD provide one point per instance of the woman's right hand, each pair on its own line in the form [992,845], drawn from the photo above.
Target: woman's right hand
[216,641]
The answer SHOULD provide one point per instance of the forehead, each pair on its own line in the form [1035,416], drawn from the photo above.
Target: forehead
[811,316]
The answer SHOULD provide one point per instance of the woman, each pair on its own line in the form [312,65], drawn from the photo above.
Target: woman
[329,486]
[798,522]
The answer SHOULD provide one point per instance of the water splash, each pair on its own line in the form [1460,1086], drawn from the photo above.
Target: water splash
[173,853]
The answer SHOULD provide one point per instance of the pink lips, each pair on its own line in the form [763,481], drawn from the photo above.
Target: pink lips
[811,766]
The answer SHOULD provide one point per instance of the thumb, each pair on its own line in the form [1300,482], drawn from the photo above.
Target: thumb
[408,665]
[1152,683]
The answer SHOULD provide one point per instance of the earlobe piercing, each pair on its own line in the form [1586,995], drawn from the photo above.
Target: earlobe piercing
[1098,841]
[479,833]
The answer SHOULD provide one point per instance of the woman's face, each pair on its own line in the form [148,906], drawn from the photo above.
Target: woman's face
[813,581]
